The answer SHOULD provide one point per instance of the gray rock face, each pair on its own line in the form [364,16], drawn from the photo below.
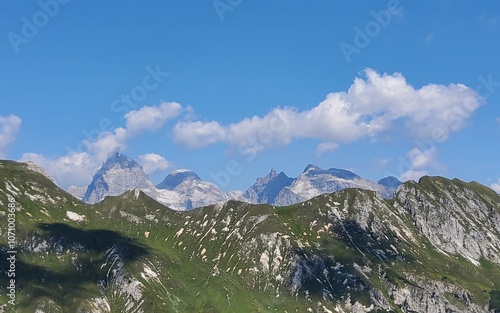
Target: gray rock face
[454,219]
[184,190]
[315,181]
[266,189]
[431,297]
[78,192]
[117,175]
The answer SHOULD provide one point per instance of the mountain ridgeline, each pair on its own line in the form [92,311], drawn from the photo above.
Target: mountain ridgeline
[433,247]
[184,189]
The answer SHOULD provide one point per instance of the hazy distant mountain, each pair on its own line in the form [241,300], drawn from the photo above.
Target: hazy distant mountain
[184,189]
[266,189]
[315,181]
[118,174]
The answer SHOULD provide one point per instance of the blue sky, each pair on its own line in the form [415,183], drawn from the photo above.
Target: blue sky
[233,88]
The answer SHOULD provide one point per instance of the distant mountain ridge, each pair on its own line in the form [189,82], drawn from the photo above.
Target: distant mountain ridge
[183,189]
[315,181]
[180,190]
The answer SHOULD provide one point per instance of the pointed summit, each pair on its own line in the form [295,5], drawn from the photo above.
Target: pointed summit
[267,188]
[118,174]
[120,161]
[311,167]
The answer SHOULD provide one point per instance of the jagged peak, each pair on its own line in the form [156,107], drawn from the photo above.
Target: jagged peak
[120,160]
[311,167]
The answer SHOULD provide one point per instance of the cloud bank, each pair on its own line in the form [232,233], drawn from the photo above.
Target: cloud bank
[77,168]
[9,127]
[372,105]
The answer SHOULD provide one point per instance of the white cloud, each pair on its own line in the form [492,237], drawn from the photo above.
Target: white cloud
[151,117]
[152,163]
[412,175]
[108,143]
[198,134]
[382,162]
[9,127]
[496,186]
[326,147]
[75,168]
[137,121]
[370,106]
[419,160]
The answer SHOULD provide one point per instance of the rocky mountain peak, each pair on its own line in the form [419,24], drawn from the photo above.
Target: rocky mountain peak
[313,170]
[390,182]
[118,174]
[118,160]
[176,178]
[267,188]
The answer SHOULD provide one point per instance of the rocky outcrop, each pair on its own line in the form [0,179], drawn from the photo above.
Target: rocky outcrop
[454,218]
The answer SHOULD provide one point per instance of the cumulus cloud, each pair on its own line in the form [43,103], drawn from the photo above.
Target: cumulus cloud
[199,134]
[369,107]
[419,160]
[152,163]
[147,118]
[151,117]
[496,186]
[326,147]
[108,143]
[9,127]
[75,168]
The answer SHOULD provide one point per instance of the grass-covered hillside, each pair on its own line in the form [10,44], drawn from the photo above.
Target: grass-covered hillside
[435,247]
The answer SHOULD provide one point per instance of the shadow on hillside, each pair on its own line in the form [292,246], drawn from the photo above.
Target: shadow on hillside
[376,248]
[71,266]
[330,271]
[67,238]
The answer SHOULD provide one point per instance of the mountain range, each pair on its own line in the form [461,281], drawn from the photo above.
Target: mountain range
[184,190]
[433,247]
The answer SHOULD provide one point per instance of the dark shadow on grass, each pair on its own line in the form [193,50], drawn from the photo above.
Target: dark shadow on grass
[42,275]
[67,238]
